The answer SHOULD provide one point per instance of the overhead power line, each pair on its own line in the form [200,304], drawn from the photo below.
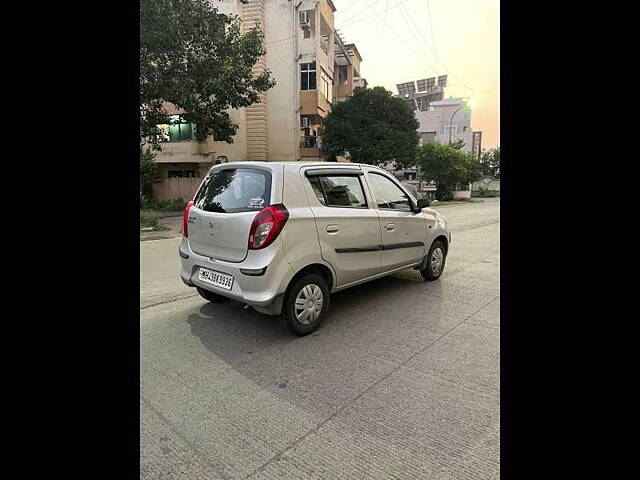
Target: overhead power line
[363,10]
[376,14]
[433,35]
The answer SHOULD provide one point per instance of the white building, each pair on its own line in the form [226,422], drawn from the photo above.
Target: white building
[446,121]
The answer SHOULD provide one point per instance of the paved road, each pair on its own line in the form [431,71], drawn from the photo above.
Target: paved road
[400,381]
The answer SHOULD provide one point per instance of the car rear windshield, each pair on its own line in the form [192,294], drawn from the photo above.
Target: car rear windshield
[234,190]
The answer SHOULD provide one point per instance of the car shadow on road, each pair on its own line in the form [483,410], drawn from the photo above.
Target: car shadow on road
[232,331]
[370,328]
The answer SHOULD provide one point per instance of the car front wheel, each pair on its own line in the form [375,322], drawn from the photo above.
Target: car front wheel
[435,261]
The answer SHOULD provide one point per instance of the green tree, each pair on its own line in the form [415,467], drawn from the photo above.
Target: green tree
[490,162]
[457,144]
[198,60]
[149,173]
[372,127]
[447,166]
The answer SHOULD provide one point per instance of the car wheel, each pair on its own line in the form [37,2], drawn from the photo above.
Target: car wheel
[306,304]
[435,261]
[210,296]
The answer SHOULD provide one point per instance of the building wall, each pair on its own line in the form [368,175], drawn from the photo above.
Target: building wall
[486,183]
[282,132]
[440,116]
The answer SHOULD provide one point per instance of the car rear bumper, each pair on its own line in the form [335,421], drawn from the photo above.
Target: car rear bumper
[260,280]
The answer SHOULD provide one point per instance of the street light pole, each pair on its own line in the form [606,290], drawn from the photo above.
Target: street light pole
[451,122]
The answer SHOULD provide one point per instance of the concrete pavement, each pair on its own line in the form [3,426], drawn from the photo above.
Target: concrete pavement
[400,381]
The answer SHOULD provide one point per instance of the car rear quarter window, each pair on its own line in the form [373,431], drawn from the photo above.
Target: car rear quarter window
[339,191]
[234,190]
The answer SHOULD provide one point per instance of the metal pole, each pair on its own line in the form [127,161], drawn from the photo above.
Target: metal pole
[451,122]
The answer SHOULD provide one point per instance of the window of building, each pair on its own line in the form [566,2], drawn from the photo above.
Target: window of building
[177,131]
[388,195]
[339,191]
[446,128]
[181,174]
[423,103]
[308,76]
[342,74]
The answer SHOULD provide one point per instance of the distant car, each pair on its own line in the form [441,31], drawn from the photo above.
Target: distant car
[283,236]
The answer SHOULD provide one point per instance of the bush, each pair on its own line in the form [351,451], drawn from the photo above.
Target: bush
[444,192]
[175,205]
[148,220]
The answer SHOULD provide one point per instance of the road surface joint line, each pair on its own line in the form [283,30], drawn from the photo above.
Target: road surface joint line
[476,226]
[343,407]
[219,469]
[175,299]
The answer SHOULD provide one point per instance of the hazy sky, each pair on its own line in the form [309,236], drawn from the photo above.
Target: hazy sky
[465,38]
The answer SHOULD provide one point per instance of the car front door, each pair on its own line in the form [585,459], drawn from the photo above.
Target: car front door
[404,232]
[346,221]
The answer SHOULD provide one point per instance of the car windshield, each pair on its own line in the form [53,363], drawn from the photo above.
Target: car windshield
[234,190]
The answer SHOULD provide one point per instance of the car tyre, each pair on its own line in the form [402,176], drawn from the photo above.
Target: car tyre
[210,296]
[435,261]
[306,304]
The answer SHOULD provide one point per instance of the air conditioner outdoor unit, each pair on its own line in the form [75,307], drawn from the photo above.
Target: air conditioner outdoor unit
[304,19]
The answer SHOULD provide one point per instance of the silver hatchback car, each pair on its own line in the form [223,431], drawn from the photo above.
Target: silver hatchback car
[283,236]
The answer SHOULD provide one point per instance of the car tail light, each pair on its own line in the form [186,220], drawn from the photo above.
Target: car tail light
[266,226]
[185,219]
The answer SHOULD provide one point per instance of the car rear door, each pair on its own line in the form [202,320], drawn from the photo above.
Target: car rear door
[347,224]
[404,232]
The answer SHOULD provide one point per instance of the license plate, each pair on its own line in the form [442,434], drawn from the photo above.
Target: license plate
[218,279]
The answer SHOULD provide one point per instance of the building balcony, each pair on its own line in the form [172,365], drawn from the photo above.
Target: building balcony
[182,152]
[310,147]
[312,102]
[312,141]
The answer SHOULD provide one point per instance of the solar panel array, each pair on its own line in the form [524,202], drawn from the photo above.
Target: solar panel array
[407,88]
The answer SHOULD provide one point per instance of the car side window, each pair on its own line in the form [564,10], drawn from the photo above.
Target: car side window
[339,191]
[388,195]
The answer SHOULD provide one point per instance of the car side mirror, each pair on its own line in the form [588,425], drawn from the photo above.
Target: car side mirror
[423,203]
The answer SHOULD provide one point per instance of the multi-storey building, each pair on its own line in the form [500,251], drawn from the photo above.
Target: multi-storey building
[313,69]
[446,121]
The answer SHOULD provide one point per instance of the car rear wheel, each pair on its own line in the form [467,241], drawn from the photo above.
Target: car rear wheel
[435,261]
[306,304]
[210,296]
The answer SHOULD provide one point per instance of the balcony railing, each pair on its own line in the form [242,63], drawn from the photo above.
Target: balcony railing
[311,142]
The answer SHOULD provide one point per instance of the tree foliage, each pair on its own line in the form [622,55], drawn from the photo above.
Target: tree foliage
[198,60]
[490,162]
[448,166]
[372,127]
[149,173]
[457,144]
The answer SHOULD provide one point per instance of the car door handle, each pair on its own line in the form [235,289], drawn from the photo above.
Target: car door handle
[332,228]
[390,227]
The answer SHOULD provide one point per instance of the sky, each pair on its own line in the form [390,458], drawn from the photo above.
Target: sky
[399,43]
